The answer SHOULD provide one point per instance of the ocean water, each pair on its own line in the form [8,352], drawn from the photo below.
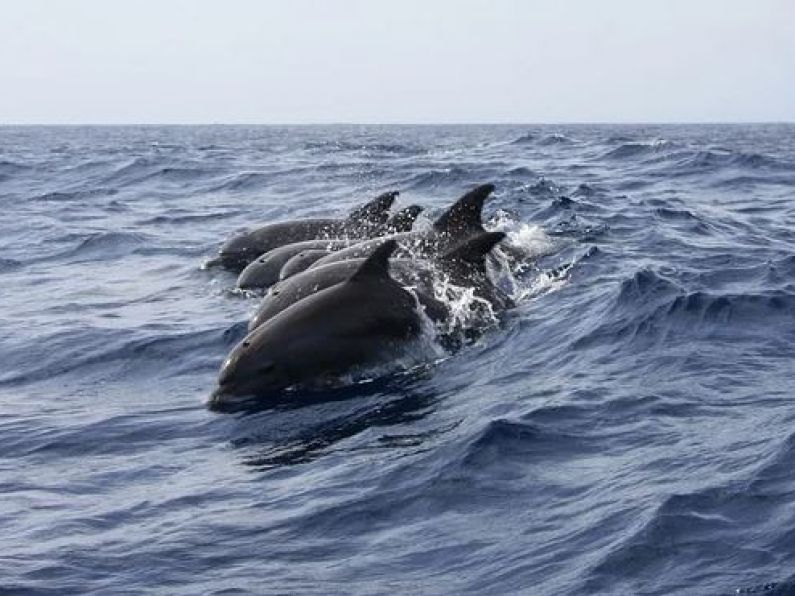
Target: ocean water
[626,429]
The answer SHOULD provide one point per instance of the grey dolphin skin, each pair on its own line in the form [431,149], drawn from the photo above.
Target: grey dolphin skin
[301,261]
[363,222]
[403,220]
[458,223]
[356,322]
[464,265]
[264,271]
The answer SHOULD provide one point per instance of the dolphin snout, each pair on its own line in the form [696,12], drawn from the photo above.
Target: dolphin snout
[224,397]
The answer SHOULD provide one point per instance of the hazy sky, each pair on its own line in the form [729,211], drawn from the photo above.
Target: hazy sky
[196,61]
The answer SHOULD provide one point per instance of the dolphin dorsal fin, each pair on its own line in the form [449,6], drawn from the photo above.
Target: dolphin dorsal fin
[375,209]
[376,266]
[403,220]
[464,216]
[475,249]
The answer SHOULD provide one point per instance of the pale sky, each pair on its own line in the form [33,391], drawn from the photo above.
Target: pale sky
[307,61]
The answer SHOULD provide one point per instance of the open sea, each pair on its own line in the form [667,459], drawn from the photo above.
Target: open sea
[628,428]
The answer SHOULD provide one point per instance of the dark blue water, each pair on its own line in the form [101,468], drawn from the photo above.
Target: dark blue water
[627,429]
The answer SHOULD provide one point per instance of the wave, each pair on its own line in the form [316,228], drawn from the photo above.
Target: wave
[105,246]
[68,353]
[785,266]
[547,140]
[500,453]
[187,218]
[366,147]
[689,160]
[702,522]
[7,265]
[620,139]
[746,182]
[707,307]
[698,523]
[243,181]
[637,149]
[698,162]
[145,169]
[452,176]
[524,139]
[650,307]
[716,159]
[675,214]
[110,436]
[543,186]
[587,190]
[9,168]
[521,172]
[182,173]
[645,285]
[88,193]
[502,441]
[133,168]
[555,139]
[776,475]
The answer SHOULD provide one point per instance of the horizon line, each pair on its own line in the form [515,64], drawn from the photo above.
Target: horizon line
[404,123]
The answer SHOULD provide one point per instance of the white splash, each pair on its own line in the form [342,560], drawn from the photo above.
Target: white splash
[528,240]
[467,311]
[545,282]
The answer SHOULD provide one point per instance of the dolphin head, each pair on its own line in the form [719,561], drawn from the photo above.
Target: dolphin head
[237,252]
[250,370]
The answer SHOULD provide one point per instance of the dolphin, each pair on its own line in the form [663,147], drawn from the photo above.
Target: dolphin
[458,223]
[301,261]
[353,323]
[363,222]
[464,265]
[264,271]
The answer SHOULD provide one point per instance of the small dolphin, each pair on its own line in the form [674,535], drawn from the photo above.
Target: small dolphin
[363,222]
[301,261]
[264,271]
[353,323]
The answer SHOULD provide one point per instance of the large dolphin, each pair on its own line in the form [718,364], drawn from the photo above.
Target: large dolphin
[463,265]
[239,251]
[458,223]
[353,323]
[266,270]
